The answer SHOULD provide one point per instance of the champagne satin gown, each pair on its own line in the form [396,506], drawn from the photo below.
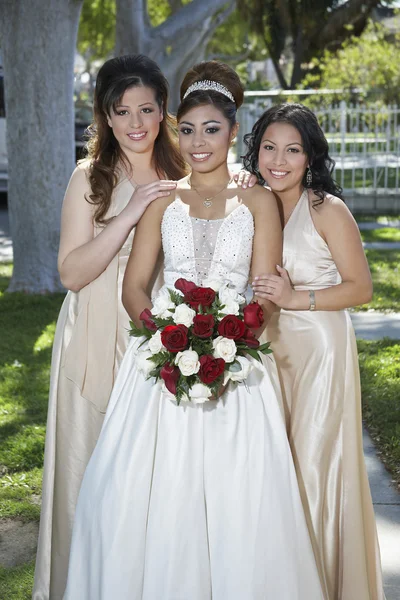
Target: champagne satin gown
[90,341]
[316,355]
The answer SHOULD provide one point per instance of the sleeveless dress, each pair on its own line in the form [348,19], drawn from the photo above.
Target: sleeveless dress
[316,355]
[90,341]
[198,501]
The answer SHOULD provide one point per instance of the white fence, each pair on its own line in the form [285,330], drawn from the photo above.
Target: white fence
[363,141]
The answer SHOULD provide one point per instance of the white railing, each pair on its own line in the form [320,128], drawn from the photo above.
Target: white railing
[363,141]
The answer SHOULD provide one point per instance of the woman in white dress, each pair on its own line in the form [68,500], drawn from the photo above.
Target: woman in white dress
[197,501]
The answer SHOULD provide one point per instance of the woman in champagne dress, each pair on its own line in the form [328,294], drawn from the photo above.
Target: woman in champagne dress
[314,345]
[131,149]
[195,501]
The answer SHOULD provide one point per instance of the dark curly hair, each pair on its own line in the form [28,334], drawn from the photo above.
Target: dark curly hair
[314,142]
[114,78]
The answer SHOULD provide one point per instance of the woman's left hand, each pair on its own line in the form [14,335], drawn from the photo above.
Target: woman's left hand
[244,179]
[276,288]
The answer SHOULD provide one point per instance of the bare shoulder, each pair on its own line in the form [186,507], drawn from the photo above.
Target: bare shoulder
[258,199]
[331,208]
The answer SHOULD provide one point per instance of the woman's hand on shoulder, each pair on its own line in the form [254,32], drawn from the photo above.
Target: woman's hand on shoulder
[244,179]
[144,195]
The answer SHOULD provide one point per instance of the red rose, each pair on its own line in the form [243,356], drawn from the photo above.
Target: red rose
[203,326]
[170,375]
[184,286]
[250,339]
[210,368]
[175,338]
[200,296]
[253,315]
[147,319]
[231,327]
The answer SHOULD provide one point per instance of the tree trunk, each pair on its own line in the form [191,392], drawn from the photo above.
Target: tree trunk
[38,41]
[178,43]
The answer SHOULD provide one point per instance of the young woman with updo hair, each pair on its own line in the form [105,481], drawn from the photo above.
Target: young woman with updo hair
[133,159]
[196,501]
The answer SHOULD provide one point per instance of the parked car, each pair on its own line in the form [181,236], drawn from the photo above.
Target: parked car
[83,118]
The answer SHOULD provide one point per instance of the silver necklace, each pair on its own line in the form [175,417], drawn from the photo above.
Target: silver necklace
[207,201]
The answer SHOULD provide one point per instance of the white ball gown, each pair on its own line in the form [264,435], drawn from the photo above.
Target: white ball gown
[197,501]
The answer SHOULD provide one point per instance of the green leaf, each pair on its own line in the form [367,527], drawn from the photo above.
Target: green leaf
[175,297]
[253,353]
[139,331]
[160,323]
[265,348]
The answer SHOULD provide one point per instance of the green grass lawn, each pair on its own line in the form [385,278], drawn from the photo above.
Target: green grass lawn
[16,583]
[27,325]
[383,219]
[385,234]
[380,381]
[385,271]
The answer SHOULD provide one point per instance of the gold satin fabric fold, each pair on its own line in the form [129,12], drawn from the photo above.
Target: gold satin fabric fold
[90,341]
[316,356]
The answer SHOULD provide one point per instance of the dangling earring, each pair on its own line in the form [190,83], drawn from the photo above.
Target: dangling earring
[309,176]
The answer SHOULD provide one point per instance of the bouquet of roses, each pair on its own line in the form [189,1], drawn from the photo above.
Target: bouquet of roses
[197,339]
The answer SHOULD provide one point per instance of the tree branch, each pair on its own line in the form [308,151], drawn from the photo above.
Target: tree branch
[191,15]
[175,5]
[353,12]
[132,26]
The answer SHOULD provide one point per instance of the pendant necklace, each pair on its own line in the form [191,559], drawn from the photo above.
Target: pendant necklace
[207,202]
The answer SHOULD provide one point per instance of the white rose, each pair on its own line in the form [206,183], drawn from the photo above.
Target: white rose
[199,393]
[188,362]
[163,306]
[144,365]
[230,308]
[238,372]
[171,397]
[228,294]
[214,284]
[184,315]
[224,348]
[155,344]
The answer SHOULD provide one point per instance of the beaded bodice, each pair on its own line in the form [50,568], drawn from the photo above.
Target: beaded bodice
[199,249]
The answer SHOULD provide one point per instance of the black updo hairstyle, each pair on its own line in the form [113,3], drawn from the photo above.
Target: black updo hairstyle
[212,70]
[314,143]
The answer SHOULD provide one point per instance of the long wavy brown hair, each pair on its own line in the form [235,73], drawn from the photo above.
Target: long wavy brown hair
[114,78]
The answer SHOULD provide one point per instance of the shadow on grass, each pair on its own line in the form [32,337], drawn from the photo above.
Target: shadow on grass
[24,375]
[16,583]
[380,382]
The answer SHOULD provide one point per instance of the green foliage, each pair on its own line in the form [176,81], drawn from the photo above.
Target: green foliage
[96,34]
[380,383]
[368,62]
[299,31]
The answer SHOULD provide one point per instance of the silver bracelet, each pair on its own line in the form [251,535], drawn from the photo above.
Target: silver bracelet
[311,295]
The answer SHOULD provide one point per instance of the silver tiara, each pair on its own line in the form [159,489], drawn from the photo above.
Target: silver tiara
[206,84]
